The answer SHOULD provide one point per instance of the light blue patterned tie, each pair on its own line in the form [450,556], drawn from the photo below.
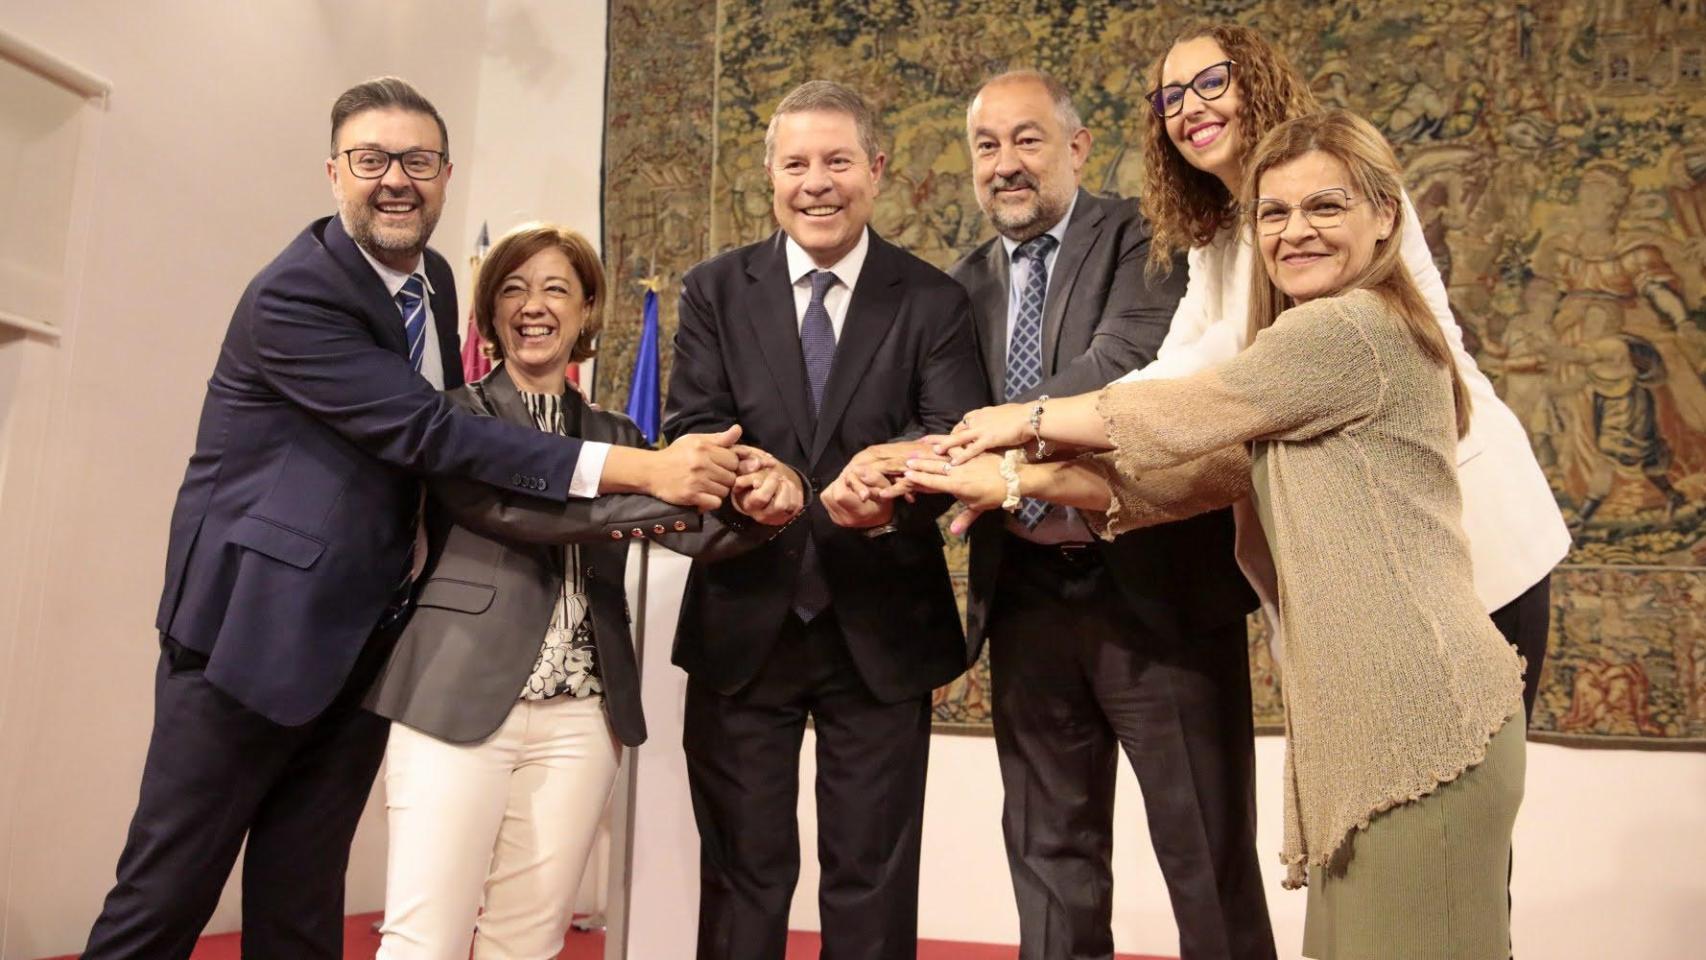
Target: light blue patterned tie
[817,336]
[1025,350]
[411,300]
[817,347]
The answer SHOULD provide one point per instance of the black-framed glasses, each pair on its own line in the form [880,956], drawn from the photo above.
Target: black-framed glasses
[1210,83]
[369,164]
[1323,209]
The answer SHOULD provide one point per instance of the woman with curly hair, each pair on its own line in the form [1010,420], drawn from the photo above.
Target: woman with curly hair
[1216,92]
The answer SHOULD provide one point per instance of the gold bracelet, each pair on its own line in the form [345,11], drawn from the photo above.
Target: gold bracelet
[1010,473]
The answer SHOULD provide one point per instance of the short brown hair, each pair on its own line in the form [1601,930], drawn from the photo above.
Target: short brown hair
[826,95]
[1185,206]
[517,247]
[384,93]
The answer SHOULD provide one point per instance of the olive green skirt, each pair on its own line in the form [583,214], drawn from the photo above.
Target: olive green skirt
[1428,879]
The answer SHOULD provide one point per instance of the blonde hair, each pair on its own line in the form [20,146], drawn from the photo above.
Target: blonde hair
[1186,206]
[1376,179]
[517,247]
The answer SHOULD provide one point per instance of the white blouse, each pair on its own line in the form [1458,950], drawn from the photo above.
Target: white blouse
[1516,534]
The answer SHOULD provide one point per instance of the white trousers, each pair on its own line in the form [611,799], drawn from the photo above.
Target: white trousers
[488,841]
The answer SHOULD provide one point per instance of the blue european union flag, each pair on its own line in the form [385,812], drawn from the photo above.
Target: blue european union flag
[643,393]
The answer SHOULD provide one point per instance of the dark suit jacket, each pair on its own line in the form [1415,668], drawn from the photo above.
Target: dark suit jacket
[290,531]
[905,361]
[493,576]
[1102,319]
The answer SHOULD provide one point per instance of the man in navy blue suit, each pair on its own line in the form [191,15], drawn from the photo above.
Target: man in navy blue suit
[293,547]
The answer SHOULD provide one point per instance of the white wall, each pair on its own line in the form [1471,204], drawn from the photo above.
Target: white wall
[94,430]
[1609,851]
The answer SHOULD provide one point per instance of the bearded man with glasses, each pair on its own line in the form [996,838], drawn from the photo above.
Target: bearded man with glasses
[295,545]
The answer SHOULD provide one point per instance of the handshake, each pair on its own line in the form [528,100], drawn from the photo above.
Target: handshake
[701,470]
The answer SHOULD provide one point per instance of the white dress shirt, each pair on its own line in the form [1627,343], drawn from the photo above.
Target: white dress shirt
[1516,534]
[589,466]
[836,298]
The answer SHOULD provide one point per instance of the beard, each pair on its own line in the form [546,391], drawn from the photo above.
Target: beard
[1031,220]
[361,221]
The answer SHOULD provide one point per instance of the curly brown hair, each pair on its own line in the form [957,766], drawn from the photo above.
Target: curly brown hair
[1186,206]
[517,247]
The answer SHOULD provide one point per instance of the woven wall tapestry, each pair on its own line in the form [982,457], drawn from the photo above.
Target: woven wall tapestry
[1556,152]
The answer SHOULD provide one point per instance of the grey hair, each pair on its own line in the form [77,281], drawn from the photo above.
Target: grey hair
[829,96]
[383,93]
[1064,111]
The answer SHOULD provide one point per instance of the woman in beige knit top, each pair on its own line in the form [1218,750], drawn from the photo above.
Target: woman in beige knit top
[1404,723]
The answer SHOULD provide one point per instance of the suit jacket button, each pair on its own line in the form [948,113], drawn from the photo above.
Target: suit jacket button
[680,525]
[637,533]
[615,534]
[659,529]
[539,483]
[515,478]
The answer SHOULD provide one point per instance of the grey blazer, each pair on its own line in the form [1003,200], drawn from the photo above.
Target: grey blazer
[1102,317]
[493,574]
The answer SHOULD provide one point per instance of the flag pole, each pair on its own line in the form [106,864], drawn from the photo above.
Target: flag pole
[619,910]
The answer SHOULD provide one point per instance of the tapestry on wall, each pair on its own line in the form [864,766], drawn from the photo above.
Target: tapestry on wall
[1556,153]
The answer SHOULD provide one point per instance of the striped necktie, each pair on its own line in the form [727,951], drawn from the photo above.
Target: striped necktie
[411,301]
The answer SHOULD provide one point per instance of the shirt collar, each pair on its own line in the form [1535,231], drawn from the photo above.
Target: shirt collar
[846,269]
[1058,231]
[394,279]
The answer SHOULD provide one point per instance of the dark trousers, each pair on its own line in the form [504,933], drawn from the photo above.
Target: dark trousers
[1074,682]
[743,761]
[1525,622]
[218,773]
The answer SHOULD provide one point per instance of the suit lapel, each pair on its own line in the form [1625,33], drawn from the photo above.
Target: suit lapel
[989,297]
[445,319]
[770,302]
[1081,233]
[876,298]
[383,317]
[505,400]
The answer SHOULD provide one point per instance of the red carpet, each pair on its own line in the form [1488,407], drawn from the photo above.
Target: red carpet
[360,942]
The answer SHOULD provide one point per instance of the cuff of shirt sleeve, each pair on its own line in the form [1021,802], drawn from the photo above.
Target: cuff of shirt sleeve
[589,470]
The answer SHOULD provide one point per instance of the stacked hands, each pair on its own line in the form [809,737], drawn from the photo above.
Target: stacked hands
[964,464]
[700,470]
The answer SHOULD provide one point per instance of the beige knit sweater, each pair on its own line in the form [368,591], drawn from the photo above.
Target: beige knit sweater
[1395,679]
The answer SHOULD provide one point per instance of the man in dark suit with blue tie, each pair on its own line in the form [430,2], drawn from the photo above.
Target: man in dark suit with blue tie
[819,341]
[293,548]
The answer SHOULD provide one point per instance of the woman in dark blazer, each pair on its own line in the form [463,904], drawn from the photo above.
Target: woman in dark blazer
[515,682]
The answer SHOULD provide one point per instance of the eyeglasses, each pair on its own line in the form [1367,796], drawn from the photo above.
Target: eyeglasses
[1210,83]
[1323,209]
[417,164]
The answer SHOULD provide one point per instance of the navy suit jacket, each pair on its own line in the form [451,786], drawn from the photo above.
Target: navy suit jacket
[292,528]
[905,363]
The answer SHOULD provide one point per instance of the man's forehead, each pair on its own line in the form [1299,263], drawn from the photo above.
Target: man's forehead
[392,127]
[817,130]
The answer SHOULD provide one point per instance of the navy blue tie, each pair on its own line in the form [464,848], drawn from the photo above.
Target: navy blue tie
[817,336]
[411,301]
[1025,350]
[817,347]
